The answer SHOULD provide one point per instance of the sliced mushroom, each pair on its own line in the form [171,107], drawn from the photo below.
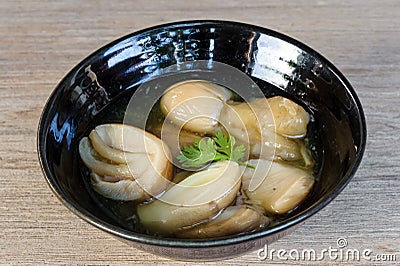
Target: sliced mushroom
[232,220]
[128,138]
[197,198]
[241,122]
[117,189]
[95,162]
[178,177]
[274,146]
[175,137]
[194,105]
[127,163]
[278,188]
[284,116]
[112,154]
[306,154]
[245,123]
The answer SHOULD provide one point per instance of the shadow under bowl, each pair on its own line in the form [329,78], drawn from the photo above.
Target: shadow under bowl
[277,63]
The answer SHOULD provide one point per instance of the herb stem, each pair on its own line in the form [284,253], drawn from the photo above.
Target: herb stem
[246,165]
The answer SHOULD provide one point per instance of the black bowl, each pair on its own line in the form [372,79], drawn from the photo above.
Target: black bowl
[277,63]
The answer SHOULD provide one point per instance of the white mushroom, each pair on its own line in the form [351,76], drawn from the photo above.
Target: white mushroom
[174,137]
[197,198]
[274,146]
[240,121]
[284,116]
[250,126]
[127,163]
[232,220]
[194,105]
[103,167]
[117,189]
[278,188]
[178,177]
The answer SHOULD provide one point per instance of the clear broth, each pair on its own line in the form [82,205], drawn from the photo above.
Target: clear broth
[124,212]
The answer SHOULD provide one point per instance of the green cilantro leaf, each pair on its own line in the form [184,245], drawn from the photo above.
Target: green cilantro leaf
[201,152]
[223,144]
[218,148]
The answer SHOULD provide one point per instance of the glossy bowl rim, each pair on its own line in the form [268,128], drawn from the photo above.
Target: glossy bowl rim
[182,243]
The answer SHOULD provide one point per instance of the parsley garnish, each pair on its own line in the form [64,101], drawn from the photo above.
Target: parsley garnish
[215,149]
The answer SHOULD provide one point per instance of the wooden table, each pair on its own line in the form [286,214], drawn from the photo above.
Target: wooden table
[41,40]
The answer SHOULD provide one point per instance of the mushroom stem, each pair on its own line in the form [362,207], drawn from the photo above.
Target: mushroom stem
[195,199]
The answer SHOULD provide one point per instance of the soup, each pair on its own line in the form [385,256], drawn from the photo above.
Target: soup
[207,164]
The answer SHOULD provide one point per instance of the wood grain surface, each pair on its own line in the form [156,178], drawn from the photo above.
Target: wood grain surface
[41,40]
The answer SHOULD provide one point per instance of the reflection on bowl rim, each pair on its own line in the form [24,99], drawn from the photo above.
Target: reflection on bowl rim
[187,243]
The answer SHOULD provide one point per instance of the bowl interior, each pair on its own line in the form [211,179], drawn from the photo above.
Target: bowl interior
[277,63]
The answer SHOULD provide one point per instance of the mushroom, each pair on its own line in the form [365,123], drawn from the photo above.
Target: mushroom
[174,137]
[274,146]
[240,121]
[194,105]
[249,125]
[232,220]
[284,116]
[180,176]
[127,163]
[197,198]
[278,188]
